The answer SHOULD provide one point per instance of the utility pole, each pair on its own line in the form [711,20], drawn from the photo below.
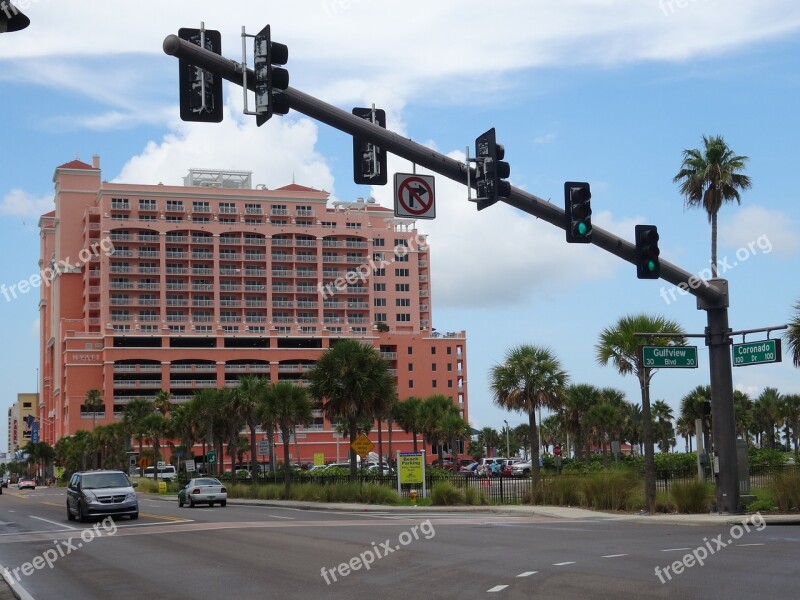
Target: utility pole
[508,446]
[712,296]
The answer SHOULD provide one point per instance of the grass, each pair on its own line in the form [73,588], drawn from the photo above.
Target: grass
[691,496]
[786,492]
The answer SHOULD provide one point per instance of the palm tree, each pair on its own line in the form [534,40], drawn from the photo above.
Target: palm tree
[742,414]
[353,381]
[162,402]
[530,378]
[792,336]
[619,345]
[154,428]
[767,413]
[790,410]
[133,414]
[409,417]
[453,429]
[291,407]
[662,421]
[710,177]
[435,408]
[697,405]
[578,400]
[251,395]
[93,403]
[489,439]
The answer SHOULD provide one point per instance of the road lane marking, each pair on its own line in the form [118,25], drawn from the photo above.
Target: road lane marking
[279,517]
[56,523]
[527,573]
[166,517]
[497,588]
[740,545]
[613,555]
[561,564]
[675,549]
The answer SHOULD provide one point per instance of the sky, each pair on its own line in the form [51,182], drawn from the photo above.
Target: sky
[605,91]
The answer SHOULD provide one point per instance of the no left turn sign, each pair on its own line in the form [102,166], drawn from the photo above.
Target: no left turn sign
[414,196]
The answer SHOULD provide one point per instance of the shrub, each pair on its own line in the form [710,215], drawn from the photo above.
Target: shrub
[445,494]
[786,491]
[691,497]
[609,490]
[474,497]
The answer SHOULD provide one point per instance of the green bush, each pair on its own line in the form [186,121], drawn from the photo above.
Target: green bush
[765,457]
[691,497]
[609,490]
[446,494]
[560,491]
[786,491]
[474,497]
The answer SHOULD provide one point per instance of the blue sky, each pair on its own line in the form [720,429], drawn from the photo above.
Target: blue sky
[605,91]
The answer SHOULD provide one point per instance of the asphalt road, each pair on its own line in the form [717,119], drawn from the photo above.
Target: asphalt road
[257,552]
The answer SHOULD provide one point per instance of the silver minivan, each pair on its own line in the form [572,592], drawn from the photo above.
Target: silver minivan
[93,494]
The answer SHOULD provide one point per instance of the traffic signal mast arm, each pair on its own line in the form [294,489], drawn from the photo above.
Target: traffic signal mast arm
[435,161]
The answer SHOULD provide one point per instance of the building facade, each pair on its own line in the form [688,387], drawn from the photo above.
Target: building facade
[182,288]
[23,420]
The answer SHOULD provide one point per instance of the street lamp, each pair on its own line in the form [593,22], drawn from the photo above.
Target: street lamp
[508,447]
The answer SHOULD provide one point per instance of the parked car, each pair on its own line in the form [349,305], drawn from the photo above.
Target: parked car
[166,473]
[469,470]
[101,494]
[521,469]
[26,484]
[203,490]
[372,467]
[506,466]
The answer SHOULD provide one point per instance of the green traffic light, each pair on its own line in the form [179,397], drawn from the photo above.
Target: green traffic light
[651,265]
[582,228]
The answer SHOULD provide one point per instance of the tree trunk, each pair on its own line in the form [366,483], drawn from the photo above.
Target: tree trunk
[649,450]
[287,473]
[253,454]
[534,453]
[352,427]
[714,271]
[380,446]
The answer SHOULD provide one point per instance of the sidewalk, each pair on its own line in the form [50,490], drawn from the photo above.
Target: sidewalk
[560,512]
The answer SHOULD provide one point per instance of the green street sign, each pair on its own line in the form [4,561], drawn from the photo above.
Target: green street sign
[211,457]
[756,353]
[665,357]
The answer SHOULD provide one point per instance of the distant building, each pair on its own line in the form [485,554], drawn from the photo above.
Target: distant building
[23,418]
[183,288]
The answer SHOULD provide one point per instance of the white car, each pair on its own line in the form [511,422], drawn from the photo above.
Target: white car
[203,490]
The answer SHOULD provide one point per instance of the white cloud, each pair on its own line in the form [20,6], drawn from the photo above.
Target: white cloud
[19,203]
[759,231]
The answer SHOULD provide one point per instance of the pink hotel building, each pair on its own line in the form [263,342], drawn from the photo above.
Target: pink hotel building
[181,288]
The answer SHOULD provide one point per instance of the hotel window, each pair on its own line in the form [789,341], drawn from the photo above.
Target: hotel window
[433,349]
[147,217]
[147,204]
[399,242]
[410,367]
[278,209]
[401,272]
[377,256]
[402,302]
[380,317]
[379,287]
[173,218]
[449,366]
[228,208]
[304,223]
[449,383]
[328,224]
[201,207]
[201,219]
[410,349]
[433,367]
[402,287]
[227,220]
[449,350]
[353,225]
[175,205]
[433,383]
[380,302]
[378,242]
[403,318]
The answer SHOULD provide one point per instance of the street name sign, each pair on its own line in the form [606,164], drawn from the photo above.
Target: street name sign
[756,353]
[665,357]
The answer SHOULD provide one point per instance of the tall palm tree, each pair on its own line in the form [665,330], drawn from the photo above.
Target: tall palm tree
[93,403]
[435,409]
[708,178]
[697,405]
[767,414]
[154,426]
[252,390]
[453,429]
[578,400]
[489,439]
[793,335]
[353,381]
[291,407]
[743,414]
[662,421]
[790,411]
[132,415]
[409,417]
[619,345]
[530,378]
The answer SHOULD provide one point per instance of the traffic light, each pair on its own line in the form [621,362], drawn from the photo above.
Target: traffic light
[11,18]
[201,91]
[369,160]
[577,206]
[491,171]
[271,79]
[647,265]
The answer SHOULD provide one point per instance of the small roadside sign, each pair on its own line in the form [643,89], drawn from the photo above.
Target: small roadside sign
[211,458]
[189,466]
[263,447]
[362,445]
[414,196]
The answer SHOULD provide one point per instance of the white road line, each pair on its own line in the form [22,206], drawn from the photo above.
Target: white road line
[56,523]
[497,588]
[613,555]
[740,545]
[561,564]
[675,549]
[527,573]
[279,517]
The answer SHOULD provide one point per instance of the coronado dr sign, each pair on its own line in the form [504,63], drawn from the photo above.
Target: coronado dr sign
[680,357]
[755,353]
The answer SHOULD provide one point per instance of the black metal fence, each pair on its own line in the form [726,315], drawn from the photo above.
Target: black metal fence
[512,490]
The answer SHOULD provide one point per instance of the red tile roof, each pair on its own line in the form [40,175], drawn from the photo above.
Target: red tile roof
[75,164]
